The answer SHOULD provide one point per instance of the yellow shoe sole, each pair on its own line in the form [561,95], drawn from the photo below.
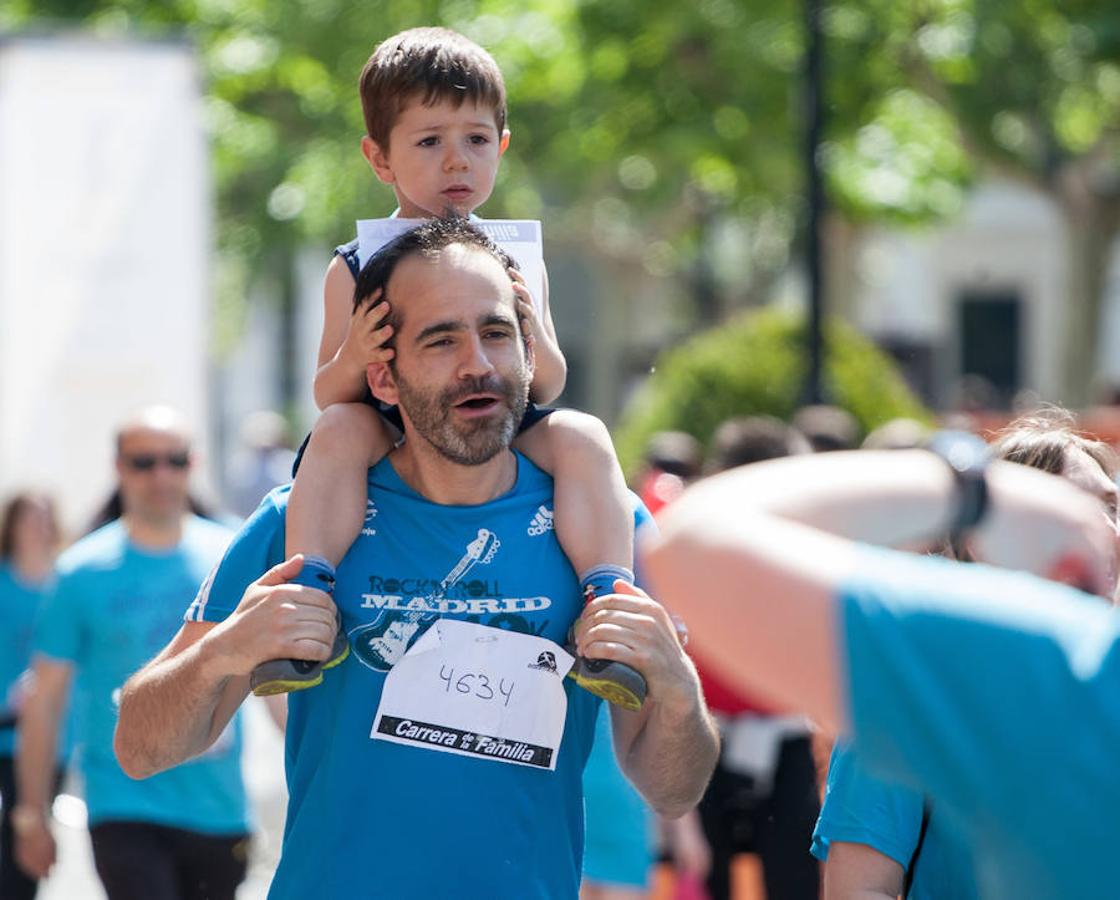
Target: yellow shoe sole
[610,691]
[286,686]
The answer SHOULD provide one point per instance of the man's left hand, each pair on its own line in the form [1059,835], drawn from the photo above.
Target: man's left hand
[631,627]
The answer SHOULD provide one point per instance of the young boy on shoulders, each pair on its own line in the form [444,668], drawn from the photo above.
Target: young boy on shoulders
[435,110]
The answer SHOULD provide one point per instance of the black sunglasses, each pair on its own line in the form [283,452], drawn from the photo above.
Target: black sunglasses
[145,462]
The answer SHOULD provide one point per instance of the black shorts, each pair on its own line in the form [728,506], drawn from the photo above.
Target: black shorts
[392,415]
[145,861]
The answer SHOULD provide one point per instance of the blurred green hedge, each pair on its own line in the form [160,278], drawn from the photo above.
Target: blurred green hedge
[754,364]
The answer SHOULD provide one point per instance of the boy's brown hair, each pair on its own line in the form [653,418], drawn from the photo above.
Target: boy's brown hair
[431,64]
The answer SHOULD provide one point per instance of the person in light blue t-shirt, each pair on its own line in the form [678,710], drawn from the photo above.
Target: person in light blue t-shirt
[117,600]
[620,834]
[995,693]
[896,823]
[443,756]
[29,538]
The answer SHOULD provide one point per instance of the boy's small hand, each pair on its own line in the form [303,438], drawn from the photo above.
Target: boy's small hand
[525,307]
[366,335]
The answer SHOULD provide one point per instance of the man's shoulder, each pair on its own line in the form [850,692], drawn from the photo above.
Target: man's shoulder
[273,504]
[861,808]
[98,551]
[202,528]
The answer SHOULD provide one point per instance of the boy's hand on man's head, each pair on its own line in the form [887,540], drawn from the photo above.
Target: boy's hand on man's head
[526,310]
[367,334]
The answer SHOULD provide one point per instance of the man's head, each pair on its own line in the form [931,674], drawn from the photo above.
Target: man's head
[827,427]
[742,440]
[435,110]
[462,366]
[153,465]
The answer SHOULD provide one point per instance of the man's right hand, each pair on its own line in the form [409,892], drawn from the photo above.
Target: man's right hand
[276,620]
[34,843]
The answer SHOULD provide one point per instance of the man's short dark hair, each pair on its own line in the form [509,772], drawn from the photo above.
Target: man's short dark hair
[743,440]
[429,65]
[827,427]
[428,239]
[675,452]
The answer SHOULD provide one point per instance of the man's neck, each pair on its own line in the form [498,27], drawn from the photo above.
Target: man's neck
[154,533]
[448,483]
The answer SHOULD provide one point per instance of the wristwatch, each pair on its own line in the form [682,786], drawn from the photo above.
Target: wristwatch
[24,818]
[967,456]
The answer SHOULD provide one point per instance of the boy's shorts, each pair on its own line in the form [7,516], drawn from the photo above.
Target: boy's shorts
[392,415]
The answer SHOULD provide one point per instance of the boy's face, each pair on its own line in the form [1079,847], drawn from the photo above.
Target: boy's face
[440,158]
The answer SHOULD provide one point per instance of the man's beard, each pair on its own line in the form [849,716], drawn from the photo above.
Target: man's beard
[470,442]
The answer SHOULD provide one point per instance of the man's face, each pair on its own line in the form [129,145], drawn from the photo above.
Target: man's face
[440,158]
[153,467]
[461,374]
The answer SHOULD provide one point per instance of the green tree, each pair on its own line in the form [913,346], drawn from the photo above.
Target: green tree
[1029,89]
[754,365]
[638,124]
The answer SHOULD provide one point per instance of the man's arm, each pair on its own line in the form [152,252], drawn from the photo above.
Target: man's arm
[859,872]
[754,558]
[35,763]
[669,748]
[178,704]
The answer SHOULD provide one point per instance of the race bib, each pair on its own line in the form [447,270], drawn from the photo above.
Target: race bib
[477,691]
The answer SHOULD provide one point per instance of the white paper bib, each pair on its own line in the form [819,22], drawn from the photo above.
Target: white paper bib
[477,691]
[520,238]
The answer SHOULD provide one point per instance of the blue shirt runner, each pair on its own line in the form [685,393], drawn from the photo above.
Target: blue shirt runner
[115,606]
[372,818]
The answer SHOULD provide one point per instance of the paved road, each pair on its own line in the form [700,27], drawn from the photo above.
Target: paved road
[74,877]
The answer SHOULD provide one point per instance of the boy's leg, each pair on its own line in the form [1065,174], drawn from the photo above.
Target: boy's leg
[594,523]
[326,511]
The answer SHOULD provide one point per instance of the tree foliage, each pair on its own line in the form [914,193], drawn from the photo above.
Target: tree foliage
[635,122]
[755,365]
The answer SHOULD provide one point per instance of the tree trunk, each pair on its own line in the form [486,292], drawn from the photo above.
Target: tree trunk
[1092,225]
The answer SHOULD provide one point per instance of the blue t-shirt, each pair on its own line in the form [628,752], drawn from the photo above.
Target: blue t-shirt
[377,819]
[619,838]
[114,607]
[998,695]
[862,809]
[19,604]
[620,827]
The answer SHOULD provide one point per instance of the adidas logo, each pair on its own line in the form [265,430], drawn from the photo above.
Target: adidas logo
[371,512]
[542,522]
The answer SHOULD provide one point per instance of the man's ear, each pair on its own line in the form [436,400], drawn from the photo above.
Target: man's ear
[530,350]
[378,160]
[382,384]
[503,142]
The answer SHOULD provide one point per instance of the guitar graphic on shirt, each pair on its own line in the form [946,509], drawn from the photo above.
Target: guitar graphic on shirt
[382,643]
